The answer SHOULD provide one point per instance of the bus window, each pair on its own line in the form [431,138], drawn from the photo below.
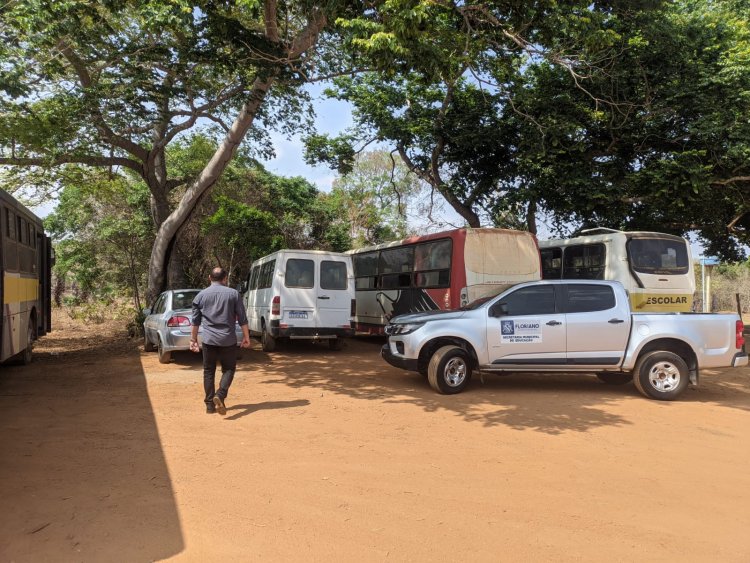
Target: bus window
[366,270]
[254,278]
[396,260]
[432,263]
[10,222]
[551,263]
[584,262]
[658,256]
[266,274]
[395,267]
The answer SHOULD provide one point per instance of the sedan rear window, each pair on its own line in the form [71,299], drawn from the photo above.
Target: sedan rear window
[183,299]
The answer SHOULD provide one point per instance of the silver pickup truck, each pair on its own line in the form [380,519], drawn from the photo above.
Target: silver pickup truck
[565,326]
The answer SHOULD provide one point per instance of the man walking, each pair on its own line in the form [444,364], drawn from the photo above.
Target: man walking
[217,308]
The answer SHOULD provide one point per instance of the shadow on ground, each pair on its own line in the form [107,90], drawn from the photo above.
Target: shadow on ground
[82,472]
[550,404]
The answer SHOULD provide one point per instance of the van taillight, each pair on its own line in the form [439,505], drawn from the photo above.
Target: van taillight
[276,306]
[178,321]
[354,308]
[739,338]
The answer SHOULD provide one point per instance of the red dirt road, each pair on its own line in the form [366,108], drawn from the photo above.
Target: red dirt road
[108,456]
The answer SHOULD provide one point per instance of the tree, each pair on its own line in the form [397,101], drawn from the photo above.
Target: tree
[673,153]
[373,200]
[439,88]
[103,230]
[112,85]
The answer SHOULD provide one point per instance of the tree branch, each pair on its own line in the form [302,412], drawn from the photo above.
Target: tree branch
[89,160]
[86,83]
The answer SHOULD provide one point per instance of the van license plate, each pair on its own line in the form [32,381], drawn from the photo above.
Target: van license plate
[297,314]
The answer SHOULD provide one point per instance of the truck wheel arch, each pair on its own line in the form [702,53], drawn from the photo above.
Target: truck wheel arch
[676,346]
[432,346]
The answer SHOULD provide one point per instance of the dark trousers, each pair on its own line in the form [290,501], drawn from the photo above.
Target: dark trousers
[227,356]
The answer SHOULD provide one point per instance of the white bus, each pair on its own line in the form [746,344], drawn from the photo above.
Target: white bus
[655,268]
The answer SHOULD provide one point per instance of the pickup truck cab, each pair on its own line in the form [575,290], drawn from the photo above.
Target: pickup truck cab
[565,326]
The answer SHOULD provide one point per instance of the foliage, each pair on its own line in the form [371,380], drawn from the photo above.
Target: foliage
[663,155]
[113,84]
[439,90]
[103,231]
[373,200]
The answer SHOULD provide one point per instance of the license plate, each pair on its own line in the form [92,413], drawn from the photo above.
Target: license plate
[297,314]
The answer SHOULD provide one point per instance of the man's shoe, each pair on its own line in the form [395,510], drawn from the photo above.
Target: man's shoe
[210,409]
[219,404]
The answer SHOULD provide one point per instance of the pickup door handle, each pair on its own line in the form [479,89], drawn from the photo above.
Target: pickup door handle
[323,297]
[615,321]
[554,323]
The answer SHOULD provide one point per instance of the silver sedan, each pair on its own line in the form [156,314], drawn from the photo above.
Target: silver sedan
[167,326]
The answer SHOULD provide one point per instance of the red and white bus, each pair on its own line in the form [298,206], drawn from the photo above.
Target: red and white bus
[439,271]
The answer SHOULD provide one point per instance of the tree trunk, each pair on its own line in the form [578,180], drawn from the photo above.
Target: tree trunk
[531,217]
[167,231]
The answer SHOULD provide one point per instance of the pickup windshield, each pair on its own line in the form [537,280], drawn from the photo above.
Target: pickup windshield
[476,303]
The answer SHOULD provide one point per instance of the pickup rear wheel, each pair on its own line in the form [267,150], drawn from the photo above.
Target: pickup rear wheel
[614,378]
[449,371]
[661,375]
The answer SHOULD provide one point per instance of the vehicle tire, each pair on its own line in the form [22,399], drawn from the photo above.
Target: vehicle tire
[27,354]
[449,371]
[615,377]
[148,346]
[336,343]
[661,375]
[267,342]
[164,357]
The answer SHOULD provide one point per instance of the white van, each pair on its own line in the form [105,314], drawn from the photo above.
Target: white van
[301,294]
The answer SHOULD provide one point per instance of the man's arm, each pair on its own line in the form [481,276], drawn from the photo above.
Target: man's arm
[197,317]
[239,310]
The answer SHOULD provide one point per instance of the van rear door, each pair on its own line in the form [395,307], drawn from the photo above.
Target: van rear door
[334,293]
[298,293]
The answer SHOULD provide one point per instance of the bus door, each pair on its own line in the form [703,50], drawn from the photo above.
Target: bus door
[396,288]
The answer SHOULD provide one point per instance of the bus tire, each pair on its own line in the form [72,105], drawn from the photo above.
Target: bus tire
[615,378]
[661,375]
[267,342]
[148,346]
[27,354]
[449,370]
[164,356]
[336,344]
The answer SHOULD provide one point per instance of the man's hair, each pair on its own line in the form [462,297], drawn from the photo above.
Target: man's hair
[218,274]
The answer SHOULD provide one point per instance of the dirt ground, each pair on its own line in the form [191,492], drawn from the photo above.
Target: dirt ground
[108,455]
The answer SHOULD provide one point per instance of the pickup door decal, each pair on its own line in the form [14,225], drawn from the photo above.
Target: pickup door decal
[523,331]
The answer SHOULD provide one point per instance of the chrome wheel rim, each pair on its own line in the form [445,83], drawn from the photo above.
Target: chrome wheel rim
[455,372]
[664,376]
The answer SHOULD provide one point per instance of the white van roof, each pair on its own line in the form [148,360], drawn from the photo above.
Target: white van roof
[298,252]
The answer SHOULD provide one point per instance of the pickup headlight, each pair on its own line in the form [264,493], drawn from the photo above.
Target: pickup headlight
[407,328]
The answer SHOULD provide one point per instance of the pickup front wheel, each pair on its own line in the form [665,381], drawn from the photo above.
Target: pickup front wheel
[661,375]
[449,371]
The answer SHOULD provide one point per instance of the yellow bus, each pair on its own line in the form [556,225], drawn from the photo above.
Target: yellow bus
[26,280]
[655,268]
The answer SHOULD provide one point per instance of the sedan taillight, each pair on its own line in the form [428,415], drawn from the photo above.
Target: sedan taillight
[178,321]
[738,336]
